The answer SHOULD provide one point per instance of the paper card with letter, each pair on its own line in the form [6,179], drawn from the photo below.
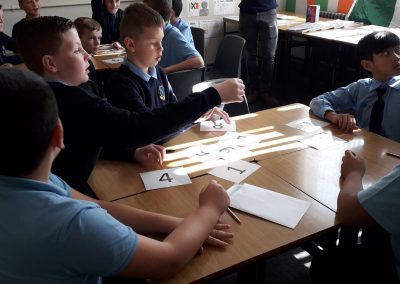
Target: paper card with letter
[270,205]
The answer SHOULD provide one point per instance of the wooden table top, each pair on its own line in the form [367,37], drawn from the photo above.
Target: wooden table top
[255,238]
[317,172]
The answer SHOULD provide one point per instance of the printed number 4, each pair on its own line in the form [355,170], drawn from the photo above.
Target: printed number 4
[165,177]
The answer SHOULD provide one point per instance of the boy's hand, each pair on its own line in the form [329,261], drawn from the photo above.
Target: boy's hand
[117,45]
[352,163]
[214,113]
[344,121]
[215,197]
[231,90]
[150,156]
[219,235]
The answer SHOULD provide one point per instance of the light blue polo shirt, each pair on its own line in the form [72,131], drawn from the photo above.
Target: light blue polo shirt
[382,202]
[184,28]
[360,97]
[47,237]
[137,71]
[176,47]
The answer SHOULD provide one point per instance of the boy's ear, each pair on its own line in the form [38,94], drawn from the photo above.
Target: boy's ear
[49,64]
[57,139]
[367,64]
[129,43]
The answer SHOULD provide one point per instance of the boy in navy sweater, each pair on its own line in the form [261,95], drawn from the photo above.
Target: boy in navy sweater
[66,236]
[89,121]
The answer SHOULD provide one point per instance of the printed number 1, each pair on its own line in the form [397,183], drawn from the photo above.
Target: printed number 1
[165,177]
[240,171]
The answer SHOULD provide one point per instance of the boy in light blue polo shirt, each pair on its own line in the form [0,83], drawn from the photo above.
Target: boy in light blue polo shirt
[180,23]
[374,206]
[178,53]
[50,233]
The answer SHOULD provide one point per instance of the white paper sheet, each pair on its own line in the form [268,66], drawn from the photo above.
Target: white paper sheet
[322,141]
[308,124]
[235,171]
[165,178]
[219,125]
[278,208]
[114,60]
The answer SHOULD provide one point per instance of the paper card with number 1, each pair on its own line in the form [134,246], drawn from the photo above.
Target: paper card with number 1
[165,178]
[219,125]
[235,171]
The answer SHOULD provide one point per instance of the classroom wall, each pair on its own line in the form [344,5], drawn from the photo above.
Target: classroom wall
[72,9]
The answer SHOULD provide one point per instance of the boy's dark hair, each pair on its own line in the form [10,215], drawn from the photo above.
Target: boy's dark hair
[137,17]
[43,36]
[177,7]
[1,6]
[84,23]
[27,119]
[375,43]
[164,7]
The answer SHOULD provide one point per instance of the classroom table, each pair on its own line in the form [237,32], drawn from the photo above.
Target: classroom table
[255,238]
[101,65]
[317,172]
[112,180]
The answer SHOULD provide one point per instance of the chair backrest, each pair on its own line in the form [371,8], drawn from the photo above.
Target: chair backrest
[198,39]
[183,81]
[228,59]
[233,109]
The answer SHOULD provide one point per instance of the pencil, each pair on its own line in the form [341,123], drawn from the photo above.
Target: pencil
[234,216]
[393,155]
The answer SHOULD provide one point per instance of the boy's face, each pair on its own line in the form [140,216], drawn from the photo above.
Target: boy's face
[91,40]
[71,60]
[147,48]
[1,20]
[31,7]
[112,6]
[386,64]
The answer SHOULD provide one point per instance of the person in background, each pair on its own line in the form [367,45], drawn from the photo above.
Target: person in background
[32,11]
[7,44]
[63,236]
[90,33]
[178,53]
[373,103]
[258,26]
[109,15]
[180,23]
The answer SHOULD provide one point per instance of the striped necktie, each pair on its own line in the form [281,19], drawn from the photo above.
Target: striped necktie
[375,122]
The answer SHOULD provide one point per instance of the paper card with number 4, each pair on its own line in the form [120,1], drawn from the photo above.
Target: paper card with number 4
[165,178]
[219,125]
[235,171]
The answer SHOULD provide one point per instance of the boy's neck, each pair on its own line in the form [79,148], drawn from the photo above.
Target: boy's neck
[136,63]
[30,17]
[382,79]
[174,20]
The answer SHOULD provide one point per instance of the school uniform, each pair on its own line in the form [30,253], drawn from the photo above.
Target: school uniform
[18,27]
[91,123]
[109,23]
[359,98]
[184,28]
[47,237]
[176,48]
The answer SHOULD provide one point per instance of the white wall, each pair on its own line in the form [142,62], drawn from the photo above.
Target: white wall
[70,9]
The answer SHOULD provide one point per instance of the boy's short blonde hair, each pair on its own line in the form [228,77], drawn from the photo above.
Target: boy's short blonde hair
[137,17]
[84,23]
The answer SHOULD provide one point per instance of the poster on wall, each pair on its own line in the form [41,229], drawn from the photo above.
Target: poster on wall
[224,7]
[198,8]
